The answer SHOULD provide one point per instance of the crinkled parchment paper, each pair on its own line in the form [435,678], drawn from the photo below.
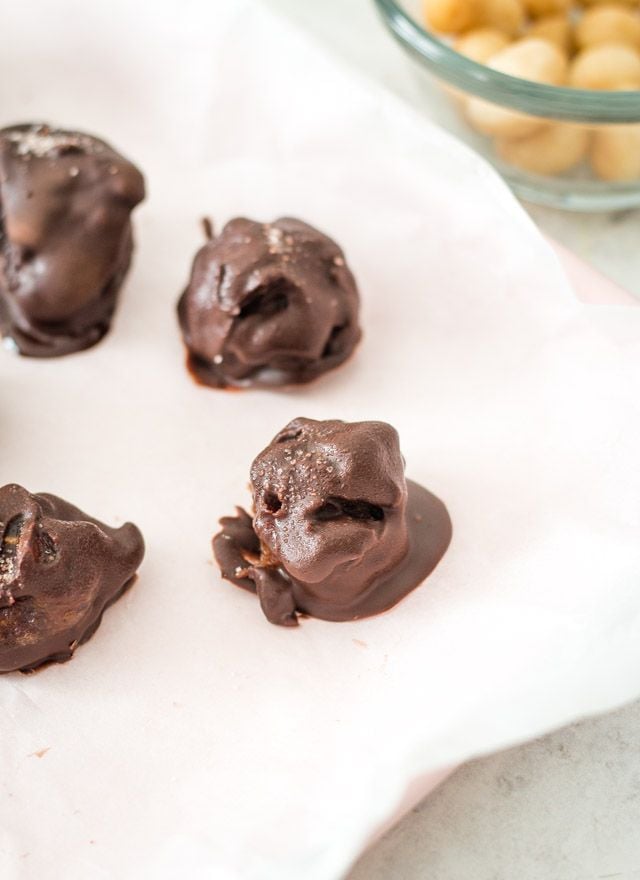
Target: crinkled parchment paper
[189,737]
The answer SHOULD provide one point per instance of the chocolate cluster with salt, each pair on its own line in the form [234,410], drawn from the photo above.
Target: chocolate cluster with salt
[337,531]
[268,304]
[59,570]
[65,237]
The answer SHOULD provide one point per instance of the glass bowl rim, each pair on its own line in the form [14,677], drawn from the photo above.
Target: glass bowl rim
[552,102]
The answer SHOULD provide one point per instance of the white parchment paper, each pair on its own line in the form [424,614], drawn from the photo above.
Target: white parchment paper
[189,737]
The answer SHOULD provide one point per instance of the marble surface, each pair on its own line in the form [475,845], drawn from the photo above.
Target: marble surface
[567,806]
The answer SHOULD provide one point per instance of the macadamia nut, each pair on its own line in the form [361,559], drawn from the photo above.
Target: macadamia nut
[452,16]
[556,29]
[494,120]
[615,153]
[458,16]
[537,8]
[552,150]
[608,24]
[481,44]
[504,15]
[605,67]
[530,59]
[600,2]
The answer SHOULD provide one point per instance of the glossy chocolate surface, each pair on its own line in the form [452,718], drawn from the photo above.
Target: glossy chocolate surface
[268,304]
[59,570]
[65,237]
[337,533]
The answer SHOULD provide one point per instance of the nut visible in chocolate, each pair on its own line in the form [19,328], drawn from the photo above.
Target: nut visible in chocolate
[337,532]
[59,570]
[65,237]
[268,304]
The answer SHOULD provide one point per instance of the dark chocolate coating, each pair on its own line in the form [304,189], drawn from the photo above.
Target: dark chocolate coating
[268,304]
[338,532]
[65,237]
[59,570]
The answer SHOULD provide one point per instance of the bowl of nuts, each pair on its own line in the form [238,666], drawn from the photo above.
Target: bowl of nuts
[547,90]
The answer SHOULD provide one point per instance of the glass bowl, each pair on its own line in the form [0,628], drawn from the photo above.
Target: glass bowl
[574,149]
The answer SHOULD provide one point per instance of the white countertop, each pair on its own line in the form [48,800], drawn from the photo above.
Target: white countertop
[567,806]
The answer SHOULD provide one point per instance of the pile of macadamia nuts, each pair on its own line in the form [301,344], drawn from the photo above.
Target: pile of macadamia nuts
[594,46]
